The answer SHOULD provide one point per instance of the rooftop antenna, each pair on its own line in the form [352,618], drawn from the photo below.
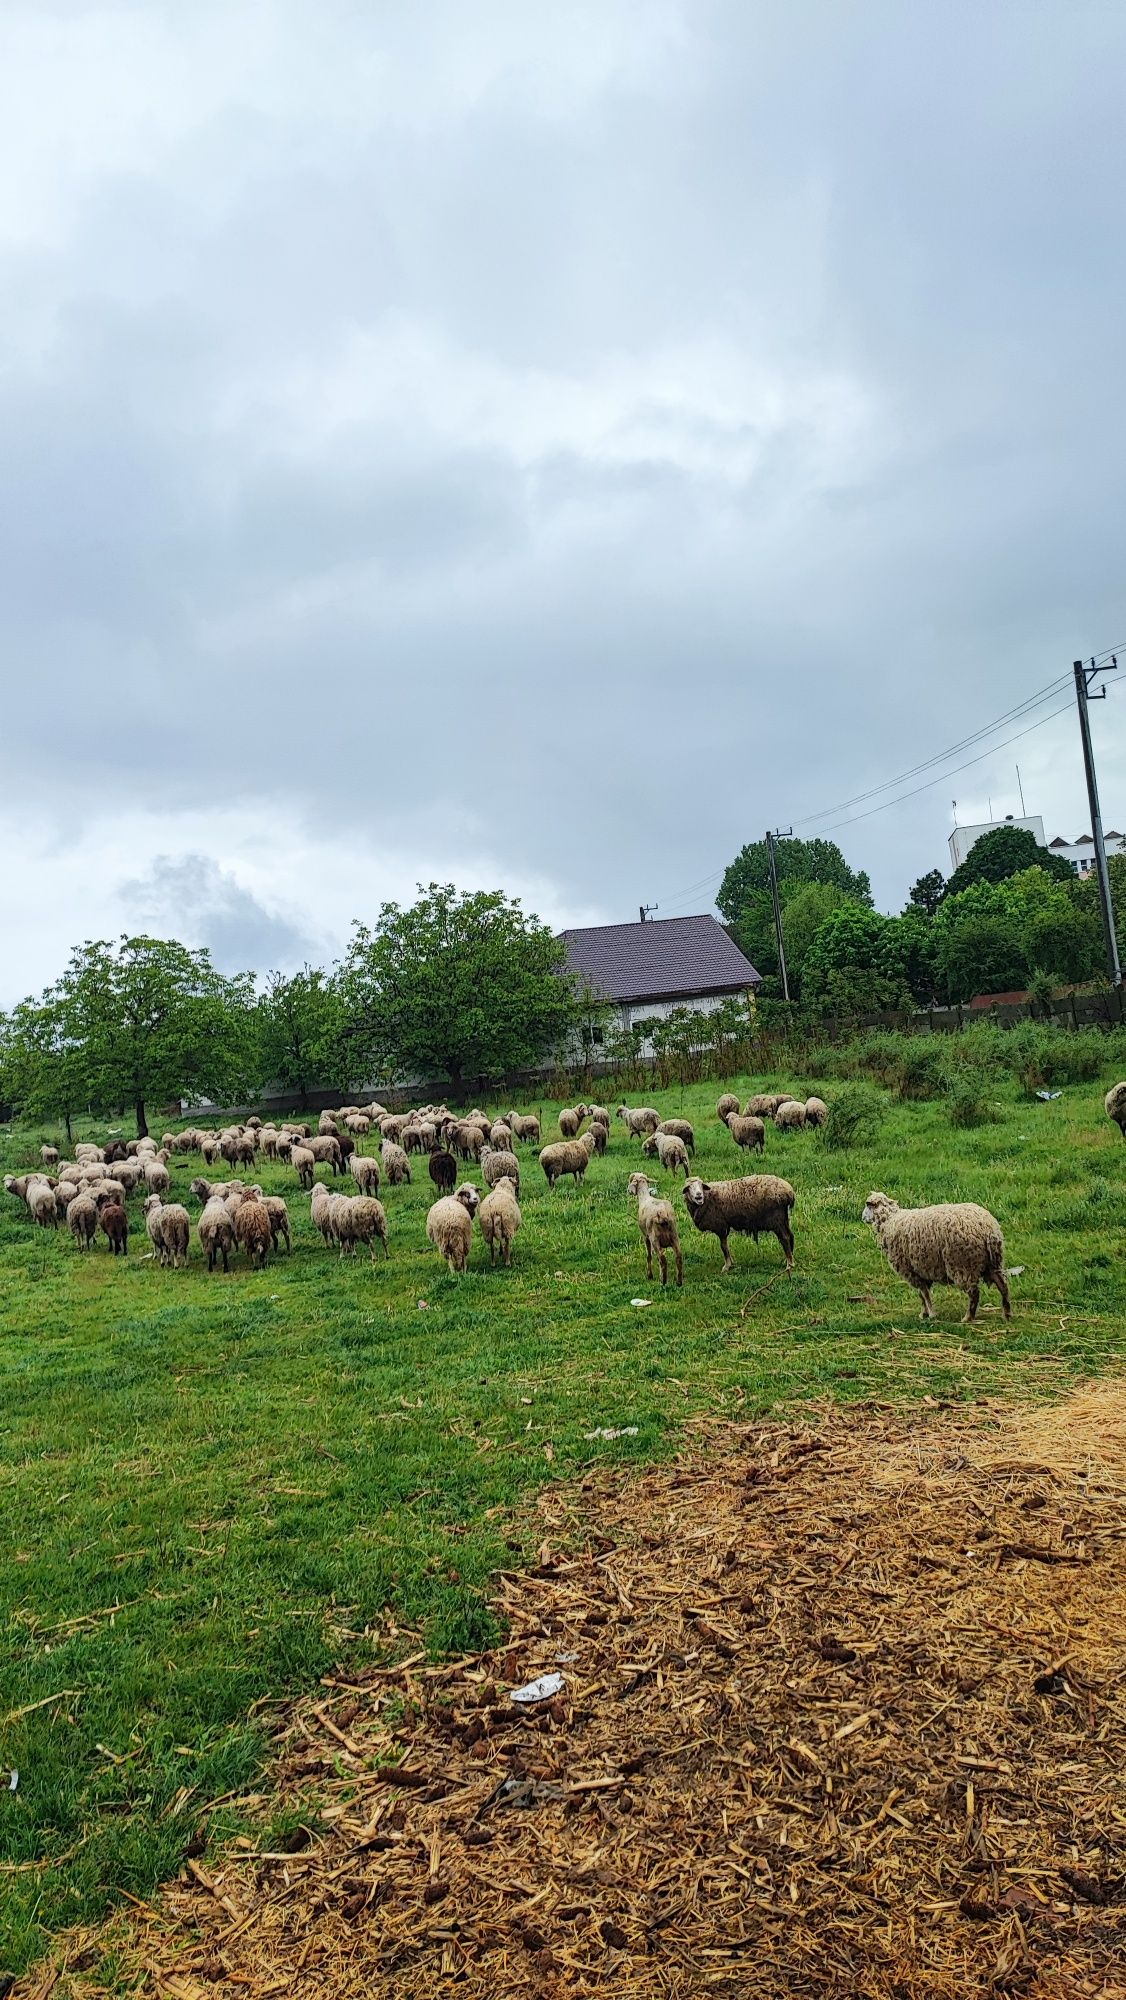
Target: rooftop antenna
[1020,789]
[991,811]
[648,910]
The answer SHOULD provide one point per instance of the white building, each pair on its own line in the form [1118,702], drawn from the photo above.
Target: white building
[965,837]
[1081,852]
[646,970]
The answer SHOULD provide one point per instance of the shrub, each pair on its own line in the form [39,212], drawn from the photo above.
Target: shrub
[855,1117]
[967,1102]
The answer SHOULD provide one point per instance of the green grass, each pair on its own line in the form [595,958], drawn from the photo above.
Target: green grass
[261,1471]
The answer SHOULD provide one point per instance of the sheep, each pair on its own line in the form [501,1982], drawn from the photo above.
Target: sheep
[727,1103]
[114,1151]
[1114,1104]
[571,1156]
[680,1129]
[656,1220]
[499,1216]
[952,1243]
[525,1127]
[115,1227]
[671,1151]
[93,1155]
[600,1133]
[765,1104]
[320,1208]
[41,1204]
[237,1148]
[466,1138]
[497,1164]
[500,1136]
[128,1173]
[570,1121]
[268,1141]
[449,1225]
[598,1115]
[304,1165]
[790,1116]
[65,1193]
[216,1233]
[326,1125]
[82,1220]
[158,1180]
[49,1155]
[253,1123]
[279,1220]
[396,1165]
[107,1194]
[641,1122]
[169,1229]
[205,1191]
[326,1152]
[443,1171]
[18,1185]
[365,1173]
[816,1111]
[252,1231]
[391,1125]
[757,1205]
[295,1130]
[357,1218]
[209,1147]
[748,1132]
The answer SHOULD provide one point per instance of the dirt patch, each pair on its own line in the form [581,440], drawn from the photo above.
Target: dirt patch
[844,1714]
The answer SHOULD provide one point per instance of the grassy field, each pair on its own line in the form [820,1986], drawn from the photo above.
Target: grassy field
[214,1487]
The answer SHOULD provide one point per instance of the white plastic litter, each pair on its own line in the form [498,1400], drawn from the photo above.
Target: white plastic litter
[1048,1096]
[641,1302]
[14,1782]
[541,1690]
[627,1431]
[1014,1270]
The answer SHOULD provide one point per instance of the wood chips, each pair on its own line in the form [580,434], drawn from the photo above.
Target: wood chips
[844,1715]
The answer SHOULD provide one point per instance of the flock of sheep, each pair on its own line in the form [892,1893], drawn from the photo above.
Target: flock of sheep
[955,1243]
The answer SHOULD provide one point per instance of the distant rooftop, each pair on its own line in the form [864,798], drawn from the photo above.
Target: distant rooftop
[673,958]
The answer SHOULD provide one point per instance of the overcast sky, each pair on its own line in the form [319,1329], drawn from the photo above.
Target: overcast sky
[539,445]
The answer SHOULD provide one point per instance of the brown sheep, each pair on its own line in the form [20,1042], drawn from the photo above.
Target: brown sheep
[748,1132]
[251,1222]
[758,1205]
[115,1228]
[572,1156]
[443,1171]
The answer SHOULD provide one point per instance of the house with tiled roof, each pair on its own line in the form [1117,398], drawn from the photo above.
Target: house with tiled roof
[646,970]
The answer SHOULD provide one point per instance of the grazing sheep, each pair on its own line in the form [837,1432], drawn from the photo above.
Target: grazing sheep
[391,1125]
[570,1156]
[82,1220]
[357,1218]
[303,1164]
[680,1129]
[728,1102]
[790,1116]
[295,1130]
[496,1164]
[758,1205]
[816,1111]
[92,1155]
[252,1231]
[525,1127]
[326,1152]
[1114,1104]
[499,1216]
[748,1132]
[268,1141]
[209,1147]
[107,1194]
[952,1243]
[216,1233]
[320,1208]
[671,1151]
[570,1120]
[279,1220]
[158,1180]
[598,1115]
[49,1155]
[365,1173]
[65,1192]
[18,1185]
[500,1136]
[42,1205]
[641,1122]
[115,1227]
[169,1229]
[466,1138]
[128,1172]
[238,1148]
[396,1165]
[656,1220]
[443,1171]
[600,1133]
[326,1125]
[449,1225]
[766,1104]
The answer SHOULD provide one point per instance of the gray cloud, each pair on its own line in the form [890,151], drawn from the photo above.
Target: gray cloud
[572,443]
[194,899]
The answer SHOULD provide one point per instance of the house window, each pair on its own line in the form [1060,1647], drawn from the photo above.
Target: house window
[597,1036]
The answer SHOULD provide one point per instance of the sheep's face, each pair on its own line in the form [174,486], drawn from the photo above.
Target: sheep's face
[649,1145]
[695,1192]
[468,1196]
[150,1202]
[877,1206]
[638,1184]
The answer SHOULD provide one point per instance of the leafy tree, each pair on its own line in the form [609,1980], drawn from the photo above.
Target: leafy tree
[928,892]
[150,1019]
[460,985]
[858,961]
[42,1070]
[994,936]
[302,1032]
[806,908]
[748,876]
[1004,851]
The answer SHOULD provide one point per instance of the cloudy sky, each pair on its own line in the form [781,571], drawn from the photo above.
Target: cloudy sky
[539,446]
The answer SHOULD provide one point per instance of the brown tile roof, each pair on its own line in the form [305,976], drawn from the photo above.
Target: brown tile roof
[673,958]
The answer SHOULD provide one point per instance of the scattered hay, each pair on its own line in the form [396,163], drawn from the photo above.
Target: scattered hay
[844,1715]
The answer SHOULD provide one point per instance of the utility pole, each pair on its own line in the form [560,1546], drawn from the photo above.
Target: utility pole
[1083,678]
[771,838]
[647,910]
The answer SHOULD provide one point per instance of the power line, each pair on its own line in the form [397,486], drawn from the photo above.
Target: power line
[953,773]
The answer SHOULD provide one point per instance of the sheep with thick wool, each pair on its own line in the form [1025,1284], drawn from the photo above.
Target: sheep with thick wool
[749,1133]
[157,1178]
[816,1111]
[169,1229]
[497,1164]
[567,1156]
[951,1243]
[524,1126]
[396,1165]
[757,1205]
[727,1103]
[671,1151]
[449,1225]
[766,1103]
[82,1220]
[49,1155]
[326,1152]
[216,1233]
[357,1218]
[680,1129]
[252,1231]
[656,1219]
[499,1215]
[304,1165]
[42,1205]
[365,1172]
[790,1116]
[320,1208]
[570,1119]
[639,1122]
[1114,1104]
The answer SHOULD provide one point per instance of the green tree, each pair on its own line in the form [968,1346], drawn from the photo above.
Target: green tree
[928,892]
[151,1020]
[858,961]
[460,985]
[302,1032]
[42,1070]
[993,936]
[805,910]
[1004,851]
[748,876]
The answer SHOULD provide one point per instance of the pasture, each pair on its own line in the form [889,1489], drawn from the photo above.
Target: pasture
[216,1487]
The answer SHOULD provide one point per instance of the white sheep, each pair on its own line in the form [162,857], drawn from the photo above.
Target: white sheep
[951,1243]
[169,1229]
[216,1233]
[497,1165]
[640,1122]
[357,1218]
[567,1156]
[671,1151]
[82,1220]
[396,1165]
[499,1217]
[365,1172]
[656,1219]
[449,1225]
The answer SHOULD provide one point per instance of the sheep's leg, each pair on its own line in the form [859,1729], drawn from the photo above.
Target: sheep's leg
[1002,1284]
[786,1239]
[728,1259]
[972,1297]
[679,1264]
[924,1292]
[648,1258]
[664,1264]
